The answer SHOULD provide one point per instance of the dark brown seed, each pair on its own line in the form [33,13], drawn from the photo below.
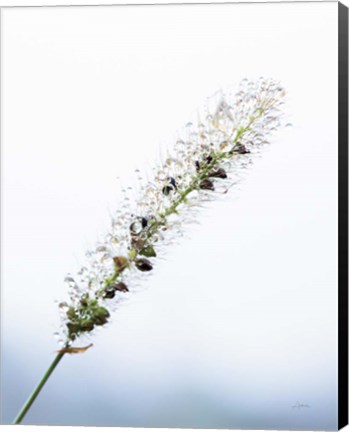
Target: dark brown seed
[143,264]
[197,165]
[219,173]
[206,184]
[166,190]
[209,159]
[241,149]
[109,293]
[120,286]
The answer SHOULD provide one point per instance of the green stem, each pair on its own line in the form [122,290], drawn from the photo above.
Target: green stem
[38,388]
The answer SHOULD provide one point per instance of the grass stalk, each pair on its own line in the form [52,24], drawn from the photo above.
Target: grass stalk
[37,389]
[88,312]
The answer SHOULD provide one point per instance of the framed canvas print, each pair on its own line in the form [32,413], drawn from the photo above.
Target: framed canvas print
[174,215]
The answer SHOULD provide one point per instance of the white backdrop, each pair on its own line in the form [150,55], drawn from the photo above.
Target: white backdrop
[232,338]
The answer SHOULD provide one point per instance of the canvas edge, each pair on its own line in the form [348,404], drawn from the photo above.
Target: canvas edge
[342,215]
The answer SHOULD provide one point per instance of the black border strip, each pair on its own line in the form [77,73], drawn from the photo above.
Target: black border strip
[342,215]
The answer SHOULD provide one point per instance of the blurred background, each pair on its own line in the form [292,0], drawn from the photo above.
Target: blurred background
[239,324]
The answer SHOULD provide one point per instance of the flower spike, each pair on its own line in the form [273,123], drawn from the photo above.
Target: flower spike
[206,161]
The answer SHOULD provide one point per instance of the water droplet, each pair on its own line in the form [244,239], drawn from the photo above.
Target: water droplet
[69,279]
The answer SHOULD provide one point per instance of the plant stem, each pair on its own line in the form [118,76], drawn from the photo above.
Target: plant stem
[38,388]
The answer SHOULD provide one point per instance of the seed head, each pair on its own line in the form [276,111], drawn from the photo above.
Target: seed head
[152,215]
